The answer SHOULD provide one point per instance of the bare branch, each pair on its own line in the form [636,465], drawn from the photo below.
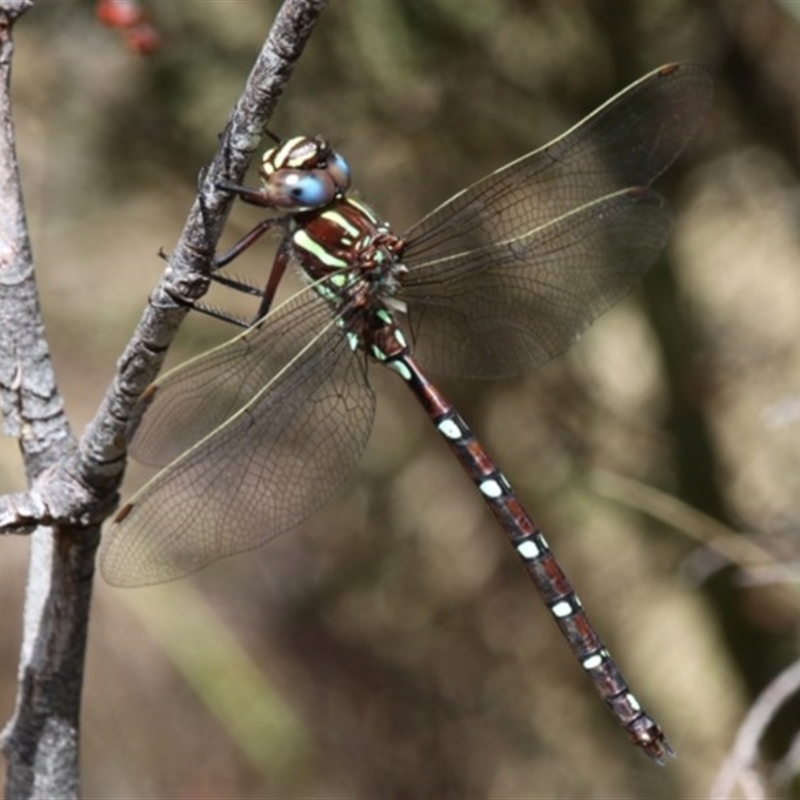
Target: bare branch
[89,480]
[186,278]
[740,765]
[73,487]
[41,739]
[32,409]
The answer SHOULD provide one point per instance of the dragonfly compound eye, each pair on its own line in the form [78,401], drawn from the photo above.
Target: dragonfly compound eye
[339,170]
[301,189]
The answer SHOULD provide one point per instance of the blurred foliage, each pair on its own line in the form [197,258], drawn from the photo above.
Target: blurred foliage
[402,652]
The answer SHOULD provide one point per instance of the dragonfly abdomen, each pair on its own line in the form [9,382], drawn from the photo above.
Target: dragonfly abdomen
[533,551]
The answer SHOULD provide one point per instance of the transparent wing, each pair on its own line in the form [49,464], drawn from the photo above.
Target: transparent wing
[291,432]
[626,143]
[516,304]
[189,402]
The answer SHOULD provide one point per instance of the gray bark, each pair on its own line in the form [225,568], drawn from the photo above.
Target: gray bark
[73,485]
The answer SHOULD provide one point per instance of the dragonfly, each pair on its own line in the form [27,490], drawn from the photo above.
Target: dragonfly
[255,435]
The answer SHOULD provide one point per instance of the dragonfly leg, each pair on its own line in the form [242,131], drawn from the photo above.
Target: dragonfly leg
[247,240]
[218,313]
[277,271]
[275,274]
[237,285]
[267,295]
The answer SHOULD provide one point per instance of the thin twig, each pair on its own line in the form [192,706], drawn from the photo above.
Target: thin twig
[732,547]
[40,741]
[103,446]
[72,488]
[739,766]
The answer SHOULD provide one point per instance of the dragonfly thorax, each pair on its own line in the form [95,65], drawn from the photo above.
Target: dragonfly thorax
[350,255]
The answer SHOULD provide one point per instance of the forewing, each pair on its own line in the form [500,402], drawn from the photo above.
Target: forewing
[514,305]
[281,456]
[627,142]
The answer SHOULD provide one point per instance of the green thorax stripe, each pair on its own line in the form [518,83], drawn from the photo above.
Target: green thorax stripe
[302,240]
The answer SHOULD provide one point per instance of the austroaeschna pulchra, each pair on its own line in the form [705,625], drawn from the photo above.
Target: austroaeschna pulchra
[255,435]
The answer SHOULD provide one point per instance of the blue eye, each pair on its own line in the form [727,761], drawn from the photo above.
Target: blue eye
[310,191]
[340,169]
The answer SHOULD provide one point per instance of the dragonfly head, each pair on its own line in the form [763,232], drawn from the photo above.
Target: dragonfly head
[302,174]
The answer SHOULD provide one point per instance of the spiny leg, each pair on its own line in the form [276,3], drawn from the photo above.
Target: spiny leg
[267,295]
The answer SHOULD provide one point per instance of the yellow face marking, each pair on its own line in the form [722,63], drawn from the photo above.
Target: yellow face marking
[281,157]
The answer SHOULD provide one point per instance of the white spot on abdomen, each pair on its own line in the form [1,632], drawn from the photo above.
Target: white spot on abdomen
[401,369]
[633,702]
[528,550]
[491,488]
[562,609]
[449,429]
[593,662]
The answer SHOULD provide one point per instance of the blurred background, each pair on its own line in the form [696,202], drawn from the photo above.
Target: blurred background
[392,647]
